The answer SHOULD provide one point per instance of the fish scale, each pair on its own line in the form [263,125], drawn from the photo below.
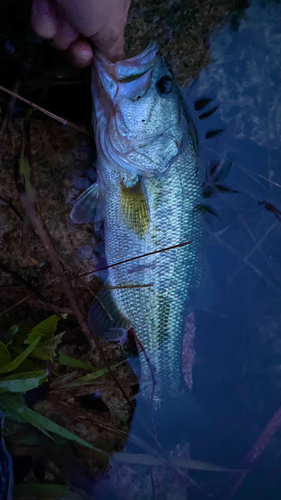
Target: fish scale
[148,191]
[157,313]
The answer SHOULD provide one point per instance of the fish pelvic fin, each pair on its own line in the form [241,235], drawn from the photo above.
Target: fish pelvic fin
[88,206]
[105,319]
[135,207]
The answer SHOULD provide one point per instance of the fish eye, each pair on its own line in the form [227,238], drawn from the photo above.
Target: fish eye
[164,85]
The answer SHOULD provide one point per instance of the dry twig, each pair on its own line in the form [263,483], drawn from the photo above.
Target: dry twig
[45,111]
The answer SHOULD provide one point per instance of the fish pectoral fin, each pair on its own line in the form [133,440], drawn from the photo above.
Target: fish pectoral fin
[87,207]
[105,319]
[135,207]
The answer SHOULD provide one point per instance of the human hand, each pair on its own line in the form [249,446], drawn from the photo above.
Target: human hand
[70,24]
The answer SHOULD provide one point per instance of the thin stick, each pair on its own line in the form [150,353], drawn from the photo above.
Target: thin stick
[11,206]
[9,109]
[135,258]
[57,278]
[106,267]
[46,112]
[19,278]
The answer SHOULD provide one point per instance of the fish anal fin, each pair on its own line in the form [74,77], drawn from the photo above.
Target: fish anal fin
[105,319]
[134,207]
[88,206]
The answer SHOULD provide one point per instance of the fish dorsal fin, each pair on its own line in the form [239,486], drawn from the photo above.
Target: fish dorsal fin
[105,319]
[87,207]
[134,207]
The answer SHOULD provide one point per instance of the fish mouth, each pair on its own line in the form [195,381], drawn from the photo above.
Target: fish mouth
[129,69]
[119,144]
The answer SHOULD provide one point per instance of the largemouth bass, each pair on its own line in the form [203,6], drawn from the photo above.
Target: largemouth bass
[146,194]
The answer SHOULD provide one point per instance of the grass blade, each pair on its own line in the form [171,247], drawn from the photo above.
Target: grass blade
[88,379]
[9,367]
[12,404]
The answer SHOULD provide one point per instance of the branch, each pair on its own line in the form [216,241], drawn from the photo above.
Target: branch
[45,111]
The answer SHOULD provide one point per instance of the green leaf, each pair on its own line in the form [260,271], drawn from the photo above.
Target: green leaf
[9,367]
[28,374]
[30,440]
[45,329]
[12,414]
[22,382]
[13,405]
[27,366]
[5,356]
[88,379]
[43,492]
[47,350]
[7,335]
[75,363]
[146,459]
[24,328]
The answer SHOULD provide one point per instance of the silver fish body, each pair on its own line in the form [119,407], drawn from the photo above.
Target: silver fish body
[148,191]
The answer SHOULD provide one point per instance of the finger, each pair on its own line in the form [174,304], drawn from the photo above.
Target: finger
[80,53]
[64,36]
[112,45]
[44,20]
[102,21]
[110,38]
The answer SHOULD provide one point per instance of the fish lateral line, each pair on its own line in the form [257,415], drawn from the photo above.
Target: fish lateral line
[123,287]
[135,258]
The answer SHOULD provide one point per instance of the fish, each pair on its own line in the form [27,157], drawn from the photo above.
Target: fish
[146,196]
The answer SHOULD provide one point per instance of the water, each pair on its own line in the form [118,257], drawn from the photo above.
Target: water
[237,363]
[237,369]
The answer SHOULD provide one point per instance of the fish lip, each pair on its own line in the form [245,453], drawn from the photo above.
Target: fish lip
[127,67]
